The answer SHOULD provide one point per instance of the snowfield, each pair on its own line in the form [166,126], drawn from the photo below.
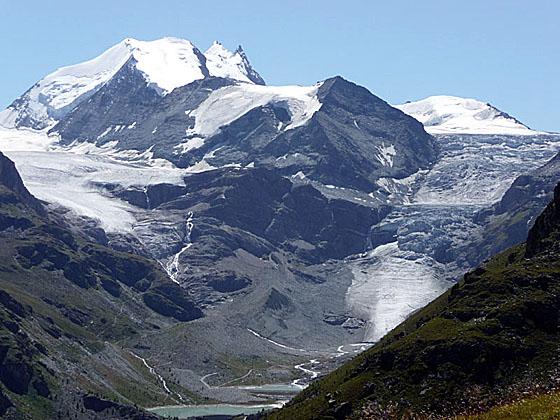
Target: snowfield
[227,104]
[451,114]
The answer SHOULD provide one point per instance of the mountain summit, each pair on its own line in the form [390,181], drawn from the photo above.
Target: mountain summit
[223,63]
[455,115]
[165,64]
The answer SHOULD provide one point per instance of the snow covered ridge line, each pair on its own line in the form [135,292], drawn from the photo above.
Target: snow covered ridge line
[455,115]
[166,64]
[229,103]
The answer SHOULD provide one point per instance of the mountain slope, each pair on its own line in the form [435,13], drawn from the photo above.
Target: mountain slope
[491,337]
[334,132]
[65,303]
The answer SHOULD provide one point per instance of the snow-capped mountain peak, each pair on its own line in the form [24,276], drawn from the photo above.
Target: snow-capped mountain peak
[234,65]
[452,114]
[168,63]
[165,64]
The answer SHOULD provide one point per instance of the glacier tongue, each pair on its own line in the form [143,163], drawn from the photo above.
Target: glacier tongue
[418,248]
[73,177]
[387,286]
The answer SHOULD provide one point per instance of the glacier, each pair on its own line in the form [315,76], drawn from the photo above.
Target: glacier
[416,249]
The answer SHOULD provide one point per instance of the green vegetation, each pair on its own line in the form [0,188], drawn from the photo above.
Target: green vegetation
[539,407]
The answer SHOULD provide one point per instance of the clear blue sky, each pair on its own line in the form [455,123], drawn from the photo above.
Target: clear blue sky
[504,52]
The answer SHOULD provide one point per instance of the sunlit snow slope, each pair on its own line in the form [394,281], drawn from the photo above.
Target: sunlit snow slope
[451,114]
[166,64]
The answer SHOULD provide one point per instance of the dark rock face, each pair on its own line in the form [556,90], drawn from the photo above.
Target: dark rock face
[277,301]
[228,282]
[345,106]
[352,140]
[545,233]
[109,106]
[18,368]
[172,300]
[113,409]
[295,217]
[10,179]
[91,402]
[13,305]
[5,403]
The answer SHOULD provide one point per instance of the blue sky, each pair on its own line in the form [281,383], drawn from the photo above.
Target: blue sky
[503,52]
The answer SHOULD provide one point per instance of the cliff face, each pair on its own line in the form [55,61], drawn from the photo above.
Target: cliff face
[12,182]
[544,236]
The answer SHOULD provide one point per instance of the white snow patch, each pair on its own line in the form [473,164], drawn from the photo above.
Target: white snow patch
[190,144]
[104,133]
[256,334]
[451,114]
[299,175]
[386,154]
[227,104]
